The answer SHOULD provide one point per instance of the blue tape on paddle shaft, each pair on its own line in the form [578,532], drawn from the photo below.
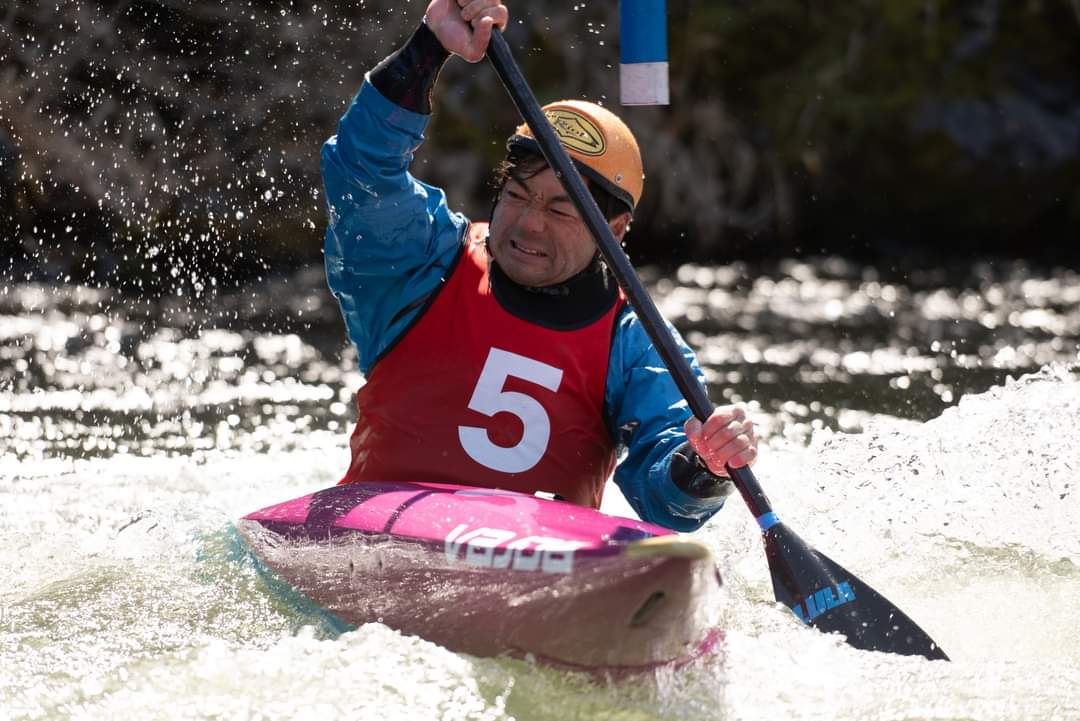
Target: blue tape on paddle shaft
[767,520]
[643,56]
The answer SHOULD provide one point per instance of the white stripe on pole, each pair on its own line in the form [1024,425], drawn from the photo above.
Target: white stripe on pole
[643,84]
[643,66]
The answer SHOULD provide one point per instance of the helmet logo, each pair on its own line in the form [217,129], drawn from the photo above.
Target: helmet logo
[576,132]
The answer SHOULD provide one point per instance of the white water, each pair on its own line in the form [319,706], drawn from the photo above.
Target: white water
[967,522]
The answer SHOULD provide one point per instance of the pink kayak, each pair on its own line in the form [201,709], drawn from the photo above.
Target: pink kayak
[491,573]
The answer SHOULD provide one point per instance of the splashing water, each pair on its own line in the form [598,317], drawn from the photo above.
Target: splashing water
[126,592]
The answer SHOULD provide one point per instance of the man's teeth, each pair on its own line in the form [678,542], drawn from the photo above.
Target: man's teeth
[523,249]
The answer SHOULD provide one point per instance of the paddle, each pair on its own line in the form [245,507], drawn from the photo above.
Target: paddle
[817,589]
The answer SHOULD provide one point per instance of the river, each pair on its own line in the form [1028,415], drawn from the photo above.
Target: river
[918,427]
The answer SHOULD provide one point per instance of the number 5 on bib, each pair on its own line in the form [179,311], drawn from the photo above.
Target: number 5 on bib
[489,398]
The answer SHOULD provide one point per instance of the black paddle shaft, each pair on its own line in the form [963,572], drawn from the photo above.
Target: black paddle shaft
[818,590]
[653,322]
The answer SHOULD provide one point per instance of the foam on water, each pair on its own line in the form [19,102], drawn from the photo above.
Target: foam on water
[125,592]
[967,523]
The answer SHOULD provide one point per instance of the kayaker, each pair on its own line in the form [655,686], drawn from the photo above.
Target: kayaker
[504,355]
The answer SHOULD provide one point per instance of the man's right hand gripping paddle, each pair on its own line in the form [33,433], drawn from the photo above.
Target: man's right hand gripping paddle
[464,26]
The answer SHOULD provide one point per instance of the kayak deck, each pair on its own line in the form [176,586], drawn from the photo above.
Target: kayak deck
[494,573]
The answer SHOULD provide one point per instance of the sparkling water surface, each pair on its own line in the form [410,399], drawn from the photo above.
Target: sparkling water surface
[921,430]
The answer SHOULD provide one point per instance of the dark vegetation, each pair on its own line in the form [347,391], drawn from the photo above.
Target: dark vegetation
[173,144]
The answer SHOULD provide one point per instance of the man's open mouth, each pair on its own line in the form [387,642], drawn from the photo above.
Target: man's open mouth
[526,250]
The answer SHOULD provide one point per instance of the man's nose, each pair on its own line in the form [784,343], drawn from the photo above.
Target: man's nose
[532,219]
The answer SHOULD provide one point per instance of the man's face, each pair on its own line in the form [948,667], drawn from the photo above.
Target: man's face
[537,236]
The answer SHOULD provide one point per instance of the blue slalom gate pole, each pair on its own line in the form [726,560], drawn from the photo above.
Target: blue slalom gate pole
[643,58]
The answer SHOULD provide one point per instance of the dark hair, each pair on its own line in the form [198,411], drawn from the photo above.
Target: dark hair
[522,164]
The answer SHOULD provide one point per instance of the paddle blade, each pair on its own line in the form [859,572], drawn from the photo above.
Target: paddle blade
[825,595]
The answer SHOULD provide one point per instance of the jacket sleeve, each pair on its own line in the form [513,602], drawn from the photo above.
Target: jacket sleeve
[390,239]
[646,413]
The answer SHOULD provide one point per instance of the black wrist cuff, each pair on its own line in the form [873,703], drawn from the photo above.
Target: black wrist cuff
[694,478]
[407,77]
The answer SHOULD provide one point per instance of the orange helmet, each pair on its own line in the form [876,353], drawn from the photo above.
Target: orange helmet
[598,142]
